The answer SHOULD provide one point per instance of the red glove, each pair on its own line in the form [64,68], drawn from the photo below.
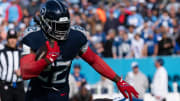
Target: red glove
[52,52]
[123,86]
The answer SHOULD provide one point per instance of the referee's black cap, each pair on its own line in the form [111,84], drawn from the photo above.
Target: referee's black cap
[12,34]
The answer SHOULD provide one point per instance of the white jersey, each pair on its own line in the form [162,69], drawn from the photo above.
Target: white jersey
[137,47]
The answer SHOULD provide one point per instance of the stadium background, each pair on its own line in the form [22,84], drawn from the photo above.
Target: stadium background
[108,21]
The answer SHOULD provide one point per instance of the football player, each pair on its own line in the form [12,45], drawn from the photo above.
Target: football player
[49,74]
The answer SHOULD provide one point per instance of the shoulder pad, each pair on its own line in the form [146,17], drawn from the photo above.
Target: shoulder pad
[80,29]
[33,38]
[29,30]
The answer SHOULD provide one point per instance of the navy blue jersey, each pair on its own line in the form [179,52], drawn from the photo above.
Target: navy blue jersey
[56,74]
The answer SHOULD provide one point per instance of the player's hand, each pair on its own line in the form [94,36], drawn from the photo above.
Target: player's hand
[52,52]
[124,87]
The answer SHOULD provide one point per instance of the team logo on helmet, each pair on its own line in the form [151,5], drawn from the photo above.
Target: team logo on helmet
[43,11]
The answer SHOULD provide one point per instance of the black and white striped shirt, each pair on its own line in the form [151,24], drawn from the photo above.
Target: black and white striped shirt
[9,62]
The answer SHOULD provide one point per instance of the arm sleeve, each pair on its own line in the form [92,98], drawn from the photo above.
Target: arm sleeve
[31,68]
[98,64]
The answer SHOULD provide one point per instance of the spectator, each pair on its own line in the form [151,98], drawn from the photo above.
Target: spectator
[80,79]
[138,80]
[101,37]
[104,86]
[91,19]
[154,15]
[13,13]
[142,9]
[125,47]
[98,40]
[121,45]
[33,7]
[98,48]
[78,21]
[137,46]
[123,15]
[131,32]
[150,46]
[164,20]
[175,30]
[76,10]
[101,12]
[172,4]
[22,28]
[165,46]
[26,21]
[152,4]
[109,42]
[83,94]
[111,23]
[135,18]
[4,5]
[159,87]
[158,34]
[145,29]
[117,42]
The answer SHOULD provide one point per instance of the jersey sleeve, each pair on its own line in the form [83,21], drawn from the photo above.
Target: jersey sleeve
[26,49]
[83,39]
[32,40]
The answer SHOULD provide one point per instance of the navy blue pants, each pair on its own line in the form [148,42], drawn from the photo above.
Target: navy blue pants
[44,94]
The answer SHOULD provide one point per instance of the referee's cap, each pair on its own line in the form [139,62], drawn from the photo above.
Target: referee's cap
[12,34]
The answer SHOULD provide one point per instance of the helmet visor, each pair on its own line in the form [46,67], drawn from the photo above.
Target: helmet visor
[60,30]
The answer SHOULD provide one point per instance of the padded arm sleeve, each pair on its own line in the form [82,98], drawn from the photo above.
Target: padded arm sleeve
[31,68]
[98,64]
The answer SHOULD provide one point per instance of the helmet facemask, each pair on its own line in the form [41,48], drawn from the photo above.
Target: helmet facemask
[60,29]
[56,29]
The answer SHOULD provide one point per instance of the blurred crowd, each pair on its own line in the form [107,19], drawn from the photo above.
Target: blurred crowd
[117,28]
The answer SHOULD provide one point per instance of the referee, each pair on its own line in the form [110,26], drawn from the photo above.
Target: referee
[11,84]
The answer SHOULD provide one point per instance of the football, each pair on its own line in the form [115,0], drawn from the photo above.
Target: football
[41,52]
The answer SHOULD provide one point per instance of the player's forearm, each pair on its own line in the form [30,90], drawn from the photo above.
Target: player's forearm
[99,65]
[31,68]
